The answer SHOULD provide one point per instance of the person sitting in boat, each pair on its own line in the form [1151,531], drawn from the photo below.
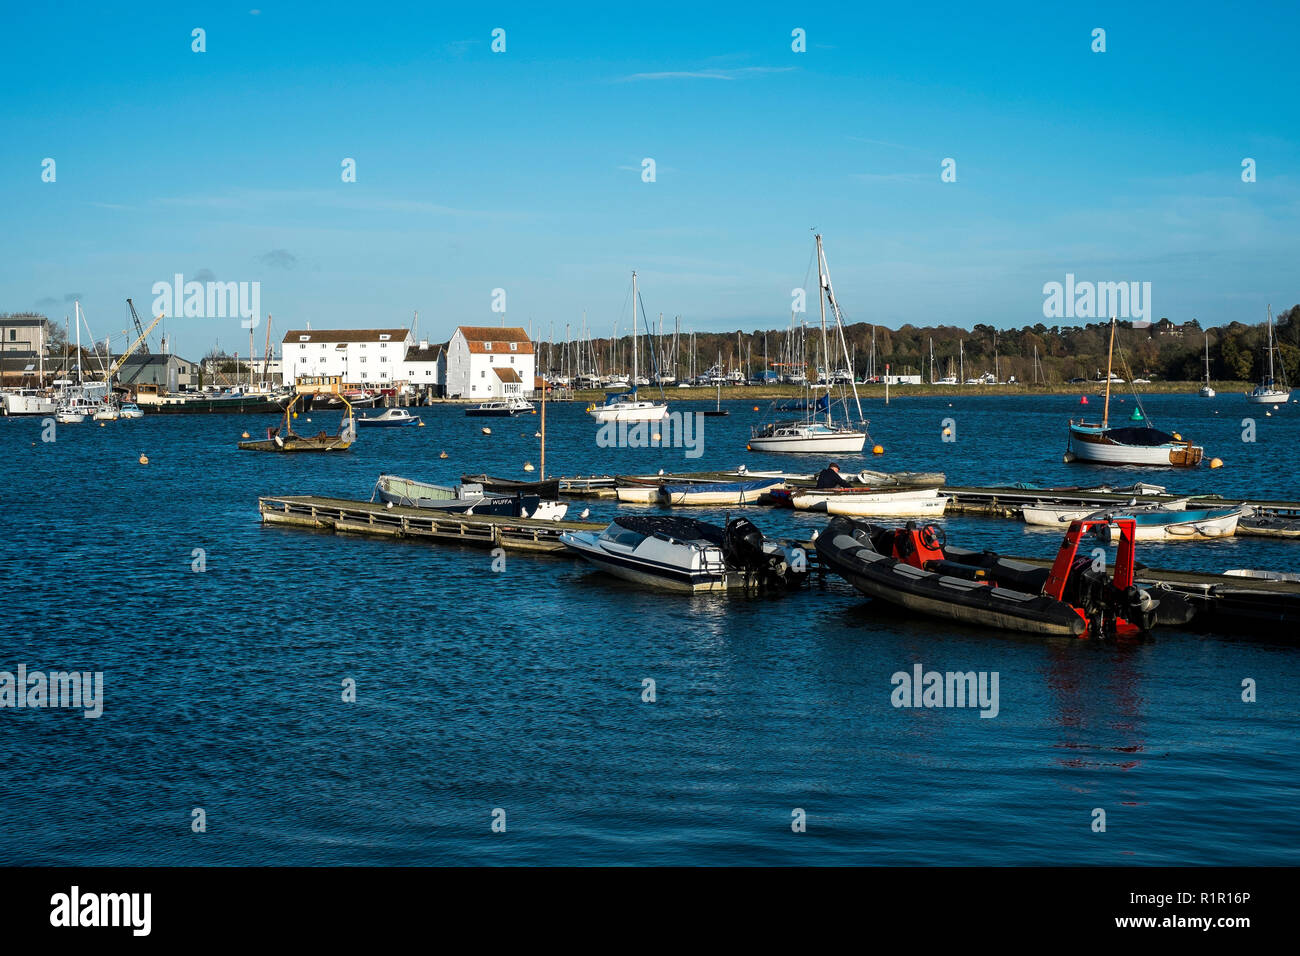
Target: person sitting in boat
[829,477]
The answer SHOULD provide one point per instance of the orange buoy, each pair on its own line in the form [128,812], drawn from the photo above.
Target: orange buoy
[755,408]
[443,455]
[144,459]
[245,435]
[1216,462]
[878,450]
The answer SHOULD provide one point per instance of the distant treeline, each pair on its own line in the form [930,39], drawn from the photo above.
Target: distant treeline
[1165,350]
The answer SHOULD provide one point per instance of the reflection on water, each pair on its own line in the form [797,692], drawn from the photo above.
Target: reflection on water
[523,689]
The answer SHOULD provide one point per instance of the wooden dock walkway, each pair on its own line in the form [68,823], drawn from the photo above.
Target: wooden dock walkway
[346,516]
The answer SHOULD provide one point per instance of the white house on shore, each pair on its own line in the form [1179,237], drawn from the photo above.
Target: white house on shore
[364,358]
[486,362]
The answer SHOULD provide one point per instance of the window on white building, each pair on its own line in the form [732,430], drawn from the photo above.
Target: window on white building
[514,346]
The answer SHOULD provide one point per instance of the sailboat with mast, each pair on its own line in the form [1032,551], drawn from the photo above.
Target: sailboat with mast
[1138,443]
[814,435]
[1268,392]
[1207,390]
[625,406]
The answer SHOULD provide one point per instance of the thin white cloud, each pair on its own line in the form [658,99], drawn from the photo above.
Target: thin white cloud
[735,73]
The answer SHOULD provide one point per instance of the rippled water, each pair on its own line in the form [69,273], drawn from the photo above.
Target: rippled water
[522,690]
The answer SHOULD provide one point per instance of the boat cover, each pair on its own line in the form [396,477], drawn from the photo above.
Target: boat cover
[683,529]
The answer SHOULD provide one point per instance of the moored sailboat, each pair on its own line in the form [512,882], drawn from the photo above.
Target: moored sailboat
[1268,392]
[1134,444]
[625,406]
[813,435]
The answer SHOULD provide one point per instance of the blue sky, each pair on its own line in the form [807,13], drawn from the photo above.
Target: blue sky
[522,170]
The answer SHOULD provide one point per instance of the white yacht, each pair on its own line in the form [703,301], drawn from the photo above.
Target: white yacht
[625,406]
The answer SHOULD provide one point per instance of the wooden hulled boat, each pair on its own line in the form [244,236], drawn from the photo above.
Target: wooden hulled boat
[506,486]
[284,440]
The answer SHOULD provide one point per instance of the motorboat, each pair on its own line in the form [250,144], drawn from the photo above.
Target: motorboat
[1173,521]
[682,554]
[389,418]
[499,409]
[27,402]
[870,502]
[465,498]
[718,493]
[915,568]
[106,412]
[130,410]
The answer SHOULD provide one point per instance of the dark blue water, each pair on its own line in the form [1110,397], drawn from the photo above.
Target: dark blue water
[521,690]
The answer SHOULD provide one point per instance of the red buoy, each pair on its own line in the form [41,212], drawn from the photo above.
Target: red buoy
[1083,399]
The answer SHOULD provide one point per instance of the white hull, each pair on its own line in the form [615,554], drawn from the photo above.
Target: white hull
[1056,516]
[1224,527]
[1268,398]
[28,405]
[1120,454]
[69,418]
[629,412]
[1207,392]
[719,498]
[550,511]
[903,504]
[819,444]
[638,494]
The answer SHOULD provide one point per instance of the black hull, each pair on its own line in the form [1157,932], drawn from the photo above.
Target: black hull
[549,489]
[939,595]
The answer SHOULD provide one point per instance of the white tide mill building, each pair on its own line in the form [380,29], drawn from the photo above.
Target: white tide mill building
[486,363]
[371,358]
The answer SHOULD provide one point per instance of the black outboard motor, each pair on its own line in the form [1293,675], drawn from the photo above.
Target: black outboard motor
[742,546]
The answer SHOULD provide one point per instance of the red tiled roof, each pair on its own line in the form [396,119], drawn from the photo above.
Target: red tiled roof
[508,375]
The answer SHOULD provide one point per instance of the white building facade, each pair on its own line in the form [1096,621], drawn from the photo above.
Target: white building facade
[485,363]
[363,358]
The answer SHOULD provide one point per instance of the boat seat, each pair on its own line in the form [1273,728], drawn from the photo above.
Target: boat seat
[961,584]
[1008,595]
[957,570]
[908,571]
[849,544]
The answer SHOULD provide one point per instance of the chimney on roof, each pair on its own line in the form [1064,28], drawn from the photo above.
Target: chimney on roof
[424,344]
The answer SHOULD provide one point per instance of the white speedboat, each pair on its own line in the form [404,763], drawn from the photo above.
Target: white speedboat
[868,503]
[501,409]
[389,418]
[106,413]
[682,554]
[131,410]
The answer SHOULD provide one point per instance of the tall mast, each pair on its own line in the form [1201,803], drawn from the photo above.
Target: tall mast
[1270,346]
[821,301]
[76,314]
[633,330]
[1110,355]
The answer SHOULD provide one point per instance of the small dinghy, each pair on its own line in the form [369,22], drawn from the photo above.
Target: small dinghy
[914,568]
[1043,515]
[682,554]
[550,488]
[718,493]
[465,498]
[389,418]
[870,503]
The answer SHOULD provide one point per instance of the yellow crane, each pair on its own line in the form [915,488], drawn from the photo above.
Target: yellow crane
[121,359]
